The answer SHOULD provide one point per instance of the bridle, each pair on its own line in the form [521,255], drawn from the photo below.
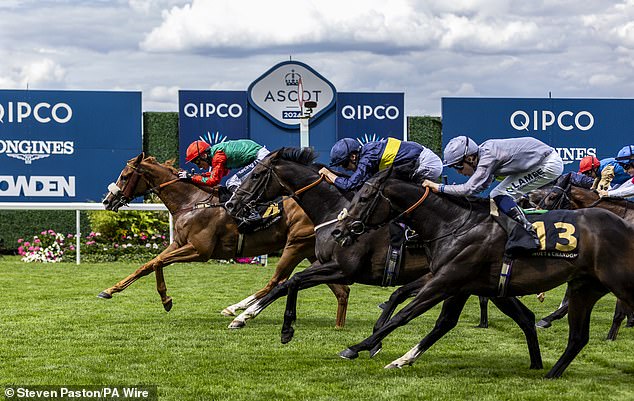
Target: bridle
[361,225]
[255,195]
[564,196]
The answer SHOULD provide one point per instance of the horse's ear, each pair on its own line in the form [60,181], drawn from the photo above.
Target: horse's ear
[139,158]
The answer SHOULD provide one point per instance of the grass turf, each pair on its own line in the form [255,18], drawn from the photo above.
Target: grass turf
[53,330]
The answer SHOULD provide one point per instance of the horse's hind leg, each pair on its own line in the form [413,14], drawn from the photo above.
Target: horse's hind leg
[583,297]
[525,319]
[620,312]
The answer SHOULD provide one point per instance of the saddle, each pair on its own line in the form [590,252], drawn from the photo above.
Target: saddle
[261,217]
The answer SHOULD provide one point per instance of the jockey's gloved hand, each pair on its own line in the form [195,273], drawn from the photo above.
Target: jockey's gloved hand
[184,175]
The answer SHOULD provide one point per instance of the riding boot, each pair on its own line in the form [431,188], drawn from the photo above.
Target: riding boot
[518,215]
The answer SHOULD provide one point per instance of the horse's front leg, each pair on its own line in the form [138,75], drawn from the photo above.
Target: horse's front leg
[173,253]
[429,296]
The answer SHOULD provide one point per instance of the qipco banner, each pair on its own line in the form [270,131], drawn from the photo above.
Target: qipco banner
[574,127]
[65,146]
[211,116]
[370,116]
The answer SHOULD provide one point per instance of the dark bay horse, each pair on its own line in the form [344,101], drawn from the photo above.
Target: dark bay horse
[467,245]
[291,172]
[203,230]
[564,194]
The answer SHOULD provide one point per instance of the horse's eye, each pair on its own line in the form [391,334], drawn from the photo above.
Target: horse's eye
[363,199]
[255,175]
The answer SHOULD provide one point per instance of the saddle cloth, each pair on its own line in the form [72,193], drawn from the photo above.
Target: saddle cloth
[557,231]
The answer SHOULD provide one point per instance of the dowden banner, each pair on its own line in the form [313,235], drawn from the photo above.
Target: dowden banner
[574,127]
[211,116]
[65,146]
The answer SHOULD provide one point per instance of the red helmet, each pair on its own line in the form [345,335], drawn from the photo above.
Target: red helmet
[588,163]
[195,149]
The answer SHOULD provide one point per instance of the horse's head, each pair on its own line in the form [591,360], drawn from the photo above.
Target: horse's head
[370,208]
[558,195]
[267,180]
[128,186]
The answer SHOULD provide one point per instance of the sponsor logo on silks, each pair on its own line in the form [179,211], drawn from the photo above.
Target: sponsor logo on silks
[29,151]
[280,93]
[37,186]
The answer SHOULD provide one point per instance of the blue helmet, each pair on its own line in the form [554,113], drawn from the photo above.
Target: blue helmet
[626,153]
[341,150]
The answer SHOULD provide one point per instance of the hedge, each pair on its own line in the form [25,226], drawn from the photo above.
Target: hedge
[160,139]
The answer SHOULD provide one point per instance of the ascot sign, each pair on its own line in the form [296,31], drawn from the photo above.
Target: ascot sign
[280,92]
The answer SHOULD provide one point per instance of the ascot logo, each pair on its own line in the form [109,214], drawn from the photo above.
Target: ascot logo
[28,151]
[280,93]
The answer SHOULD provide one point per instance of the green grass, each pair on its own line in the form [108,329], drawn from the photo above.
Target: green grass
[53,330]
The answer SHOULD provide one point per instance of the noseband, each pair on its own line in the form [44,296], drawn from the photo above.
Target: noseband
[361,225]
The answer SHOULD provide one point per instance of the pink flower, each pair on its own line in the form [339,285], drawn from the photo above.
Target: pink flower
[21,250]
[72,248]
[36,241]
[51,232]
[20,240]
[43,233]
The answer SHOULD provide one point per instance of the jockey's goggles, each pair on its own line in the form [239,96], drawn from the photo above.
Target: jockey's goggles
[627,165]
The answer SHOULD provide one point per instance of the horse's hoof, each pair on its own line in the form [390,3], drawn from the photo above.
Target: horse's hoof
[349,354]
[287,336]
[377,348]
[392,366]
[104,295]
[237,324]
[168,304]
[482,326]
[382,305]
[227,312]
[543,324]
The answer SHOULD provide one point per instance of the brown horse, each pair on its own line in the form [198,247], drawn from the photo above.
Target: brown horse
[565,194]
[203,230]
[466,246]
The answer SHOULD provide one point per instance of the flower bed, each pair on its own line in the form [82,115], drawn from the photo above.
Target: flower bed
[52,247]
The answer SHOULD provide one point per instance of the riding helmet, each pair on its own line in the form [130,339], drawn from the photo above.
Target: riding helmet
[588,163]
[195,149]
[457,149]
[626,153]
[341,150]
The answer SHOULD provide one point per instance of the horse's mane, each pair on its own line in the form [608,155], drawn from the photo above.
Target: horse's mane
[169,164]
[304,156]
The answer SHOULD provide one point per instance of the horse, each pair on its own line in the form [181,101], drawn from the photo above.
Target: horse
[564,194]
[467,247]
[291,172]
[203,230]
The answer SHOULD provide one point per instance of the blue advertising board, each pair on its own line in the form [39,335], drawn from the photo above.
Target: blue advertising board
[370,116]
[574,127]
[65,146]
[212,116]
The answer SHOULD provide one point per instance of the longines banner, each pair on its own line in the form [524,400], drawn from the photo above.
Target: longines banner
[65,146]
[574,127]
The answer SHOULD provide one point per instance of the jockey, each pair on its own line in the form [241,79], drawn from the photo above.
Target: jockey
[625,159]
[592,167]
[366,160]
[527,164]
[219,158]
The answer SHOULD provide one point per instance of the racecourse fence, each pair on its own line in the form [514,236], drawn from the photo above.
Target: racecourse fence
[78,207]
